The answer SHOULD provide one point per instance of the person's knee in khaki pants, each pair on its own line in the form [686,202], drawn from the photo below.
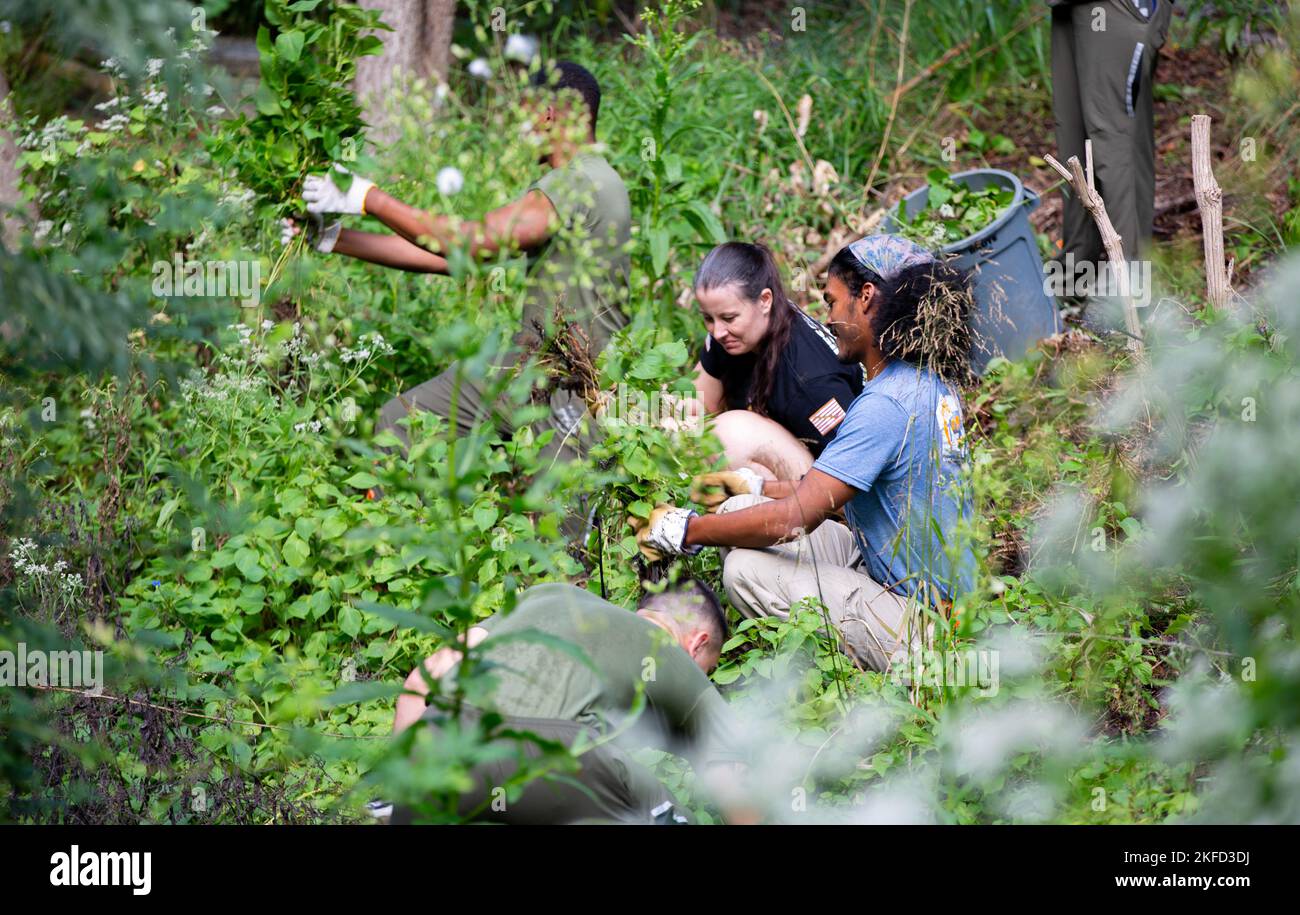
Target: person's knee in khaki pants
[873,621]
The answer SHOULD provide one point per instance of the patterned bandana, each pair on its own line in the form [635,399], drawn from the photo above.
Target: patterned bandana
[886,255]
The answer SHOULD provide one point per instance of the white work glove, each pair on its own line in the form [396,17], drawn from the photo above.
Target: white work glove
[320,236]
[663,533]
[739,482]
[322,195]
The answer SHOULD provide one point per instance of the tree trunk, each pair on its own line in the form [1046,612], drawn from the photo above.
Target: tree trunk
[419,47]
[10,196]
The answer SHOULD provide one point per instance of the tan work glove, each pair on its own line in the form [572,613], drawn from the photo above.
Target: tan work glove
[661,535]
[740,482]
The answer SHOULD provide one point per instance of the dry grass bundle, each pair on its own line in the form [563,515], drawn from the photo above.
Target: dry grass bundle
[937,335]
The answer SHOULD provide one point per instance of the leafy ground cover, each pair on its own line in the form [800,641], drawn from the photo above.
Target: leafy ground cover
[185,476]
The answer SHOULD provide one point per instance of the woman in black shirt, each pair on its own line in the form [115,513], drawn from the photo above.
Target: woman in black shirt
[768,370]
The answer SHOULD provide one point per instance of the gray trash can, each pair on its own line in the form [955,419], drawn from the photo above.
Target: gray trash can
[1013,310]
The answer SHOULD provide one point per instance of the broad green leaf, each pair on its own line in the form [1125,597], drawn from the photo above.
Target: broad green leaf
[168,509]
[660,240]
[362,480]
[485,516]
[267,102]
[350,620]
[289,45]
[249,564]
[295,551]
[705,221]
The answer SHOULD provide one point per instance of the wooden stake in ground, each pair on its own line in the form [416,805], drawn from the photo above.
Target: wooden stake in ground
[1209,198]
[1110,240]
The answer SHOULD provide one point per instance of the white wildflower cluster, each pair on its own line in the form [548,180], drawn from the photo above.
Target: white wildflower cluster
[114,124]
[117,120]
[947,212]
[245,332]
[113,67]
[222,387]
[246,386]
[236,197]
[8,430]
[521,48]
[196,46]
[367,346]
[450,180]
[153,96]
[43,229]
[236,378]
[199,240]
[155,99]
[54,131]
[296,347]
[52,580]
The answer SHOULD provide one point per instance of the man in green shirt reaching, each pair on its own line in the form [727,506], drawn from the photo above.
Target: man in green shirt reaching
[622,681]
[574,226]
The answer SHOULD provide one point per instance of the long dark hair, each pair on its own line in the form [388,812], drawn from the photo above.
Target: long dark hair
[922,315]
[753,269]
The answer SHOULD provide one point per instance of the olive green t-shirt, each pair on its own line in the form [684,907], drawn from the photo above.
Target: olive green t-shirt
[582,271]
[632,663]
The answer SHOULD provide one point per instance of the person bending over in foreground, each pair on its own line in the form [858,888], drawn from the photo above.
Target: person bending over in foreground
[661,653]
[769,366]
[574,224]
[893,466]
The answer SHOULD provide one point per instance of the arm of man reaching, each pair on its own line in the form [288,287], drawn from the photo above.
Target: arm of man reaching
[389,251]
[410,705]
[374,247]
[518,226]
[800,509]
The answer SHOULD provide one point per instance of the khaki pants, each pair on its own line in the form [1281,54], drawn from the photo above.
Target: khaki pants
[826,564]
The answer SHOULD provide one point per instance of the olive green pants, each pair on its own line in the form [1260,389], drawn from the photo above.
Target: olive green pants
[609,786]
[461,400]
[1103,73]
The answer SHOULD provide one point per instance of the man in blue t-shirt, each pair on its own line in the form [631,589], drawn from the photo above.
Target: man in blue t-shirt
[894,467]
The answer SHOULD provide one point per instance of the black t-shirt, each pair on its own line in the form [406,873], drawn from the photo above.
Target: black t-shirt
[811,392]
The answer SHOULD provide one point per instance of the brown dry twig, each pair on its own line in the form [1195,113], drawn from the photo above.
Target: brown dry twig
[1110,239]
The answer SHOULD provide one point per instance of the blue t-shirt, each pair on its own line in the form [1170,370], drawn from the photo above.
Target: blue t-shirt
[902,446]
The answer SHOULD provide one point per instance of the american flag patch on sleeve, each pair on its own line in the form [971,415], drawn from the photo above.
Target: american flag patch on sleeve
[828,416]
